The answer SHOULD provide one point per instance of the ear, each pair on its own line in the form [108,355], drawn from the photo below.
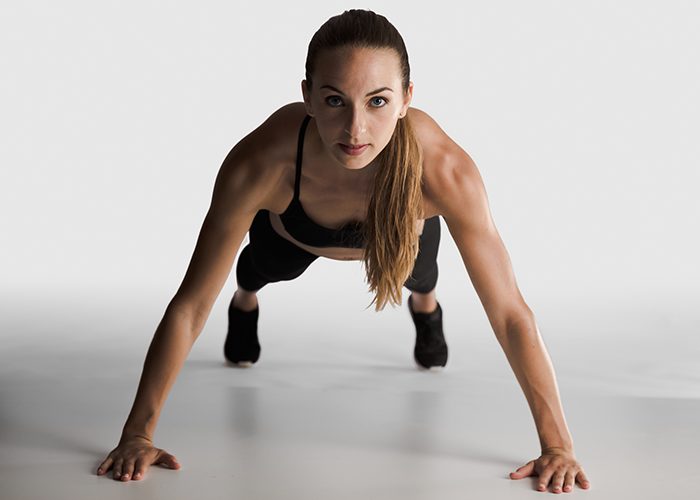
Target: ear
[306,93]
[406,100]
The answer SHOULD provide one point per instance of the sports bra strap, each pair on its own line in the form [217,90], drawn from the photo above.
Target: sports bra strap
[300,150]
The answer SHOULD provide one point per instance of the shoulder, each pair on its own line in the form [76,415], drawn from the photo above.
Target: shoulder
[449,173]
[258,163]
[269,143]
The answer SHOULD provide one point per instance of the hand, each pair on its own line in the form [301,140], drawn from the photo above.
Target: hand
[132,457]
[556,464]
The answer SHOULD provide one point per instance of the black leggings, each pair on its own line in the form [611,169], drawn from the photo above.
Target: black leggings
[269,258]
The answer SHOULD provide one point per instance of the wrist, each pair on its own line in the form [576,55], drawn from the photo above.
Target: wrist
[140,424]
[556,440]
[129,433]
[559,448]
[126,437]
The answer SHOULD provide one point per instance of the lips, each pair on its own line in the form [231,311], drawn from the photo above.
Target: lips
[353,150]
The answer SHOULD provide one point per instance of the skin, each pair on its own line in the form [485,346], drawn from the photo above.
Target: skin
[345,114]
[258,174]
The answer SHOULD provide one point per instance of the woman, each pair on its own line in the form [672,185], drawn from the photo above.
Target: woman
[376,176]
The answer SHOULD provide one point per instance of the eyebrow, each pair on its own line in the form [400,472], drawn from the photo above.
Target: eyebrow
[366,95]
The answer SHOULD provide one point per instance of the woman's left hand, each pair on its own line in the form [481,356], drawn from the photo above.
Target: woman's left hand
[556,465]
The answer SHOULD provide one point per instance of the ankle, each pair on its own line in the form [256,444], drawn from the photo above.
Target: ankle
[423,303]
[245,301]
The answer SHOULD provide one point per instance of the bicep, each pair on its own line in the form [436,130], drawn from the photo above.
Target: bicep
[468,218]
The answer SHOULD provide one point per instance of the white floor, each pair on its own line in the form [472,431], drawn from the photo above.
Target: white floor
[336,409]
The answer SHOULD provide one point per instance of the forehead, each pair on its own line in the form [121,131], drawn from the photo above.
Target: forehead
[357,68]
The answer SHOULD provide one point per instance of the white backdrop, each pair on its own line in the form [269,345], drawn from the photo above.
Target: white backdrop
[581,115]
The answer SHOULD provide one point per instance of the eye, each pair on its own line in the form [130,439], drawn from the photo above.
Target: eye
[329,98]
[383,99]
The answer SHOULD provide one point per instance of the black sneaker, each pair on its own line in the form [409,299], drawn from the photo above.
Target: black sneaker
[242,347]
[431,348]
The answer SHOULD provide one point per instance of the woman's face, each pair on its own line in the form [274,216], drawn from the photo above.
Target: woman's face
[356,99]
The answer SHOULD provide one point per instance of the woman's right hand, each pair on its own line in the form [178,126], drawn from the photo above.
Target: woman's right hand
[132,457]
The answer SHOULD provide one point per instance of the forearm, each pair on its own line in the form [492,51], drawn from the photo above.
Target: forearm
[166,355]
[528,357]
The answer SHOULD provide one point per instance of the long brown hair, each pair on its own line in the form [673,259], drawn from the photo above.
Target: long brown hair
[390,232]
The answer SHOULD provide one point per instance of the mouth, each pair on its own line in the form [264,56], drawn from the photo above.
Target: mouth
[353,149]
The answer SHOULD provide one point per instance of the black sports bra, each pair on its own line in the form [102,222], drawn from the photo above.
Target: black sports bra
[303,229]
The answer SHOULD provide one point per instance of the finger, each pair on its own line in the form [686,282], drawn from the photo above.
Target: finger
[523,470]
[167,459]
[139,469]
[544,479]
[128,470]
[105,466]
[557,481]
[583,480]
[117,472]
[569,480]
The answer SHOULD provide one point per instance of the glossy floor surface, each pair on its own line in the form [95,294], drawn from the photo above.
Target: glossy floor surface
[336,408]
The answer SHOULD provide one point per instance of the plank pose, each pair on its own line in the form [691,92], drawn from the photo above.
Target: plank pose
[352,173]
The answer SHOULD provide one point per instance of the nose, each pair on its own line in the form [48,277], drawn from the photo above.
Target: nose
[355,125]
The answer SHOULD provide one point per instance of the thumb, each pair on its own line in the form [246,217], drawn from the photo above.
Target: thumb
[167,459]
[523,471]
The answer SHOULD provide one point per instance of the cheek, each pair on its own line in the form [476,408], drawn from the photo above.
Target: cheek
[328,130]
[387,132]
[323,132]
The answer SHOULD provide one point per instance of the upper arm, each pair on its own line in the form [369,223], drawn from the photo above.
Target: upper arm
[465,208]
[243,185]
[231,212]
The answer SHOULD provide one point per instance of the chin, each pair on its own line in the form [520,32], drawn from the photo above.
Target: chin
[353,163]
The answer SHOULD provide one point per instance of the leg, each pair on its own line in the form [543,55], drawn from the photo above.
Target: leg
[430,349]
[266,259]
[424,302]
[244,300]
[249,282]
[425,270]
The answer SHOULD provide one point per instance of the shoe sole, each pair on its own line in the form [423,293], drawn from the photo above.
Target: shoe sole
[435,368]
[239,364]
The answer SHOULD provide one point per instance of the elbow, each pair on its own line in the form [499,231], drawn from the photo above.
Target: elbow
[188,316]
[519,322]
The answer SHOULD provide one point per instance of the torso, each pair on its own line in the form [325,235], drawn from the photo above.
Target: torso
[326,201]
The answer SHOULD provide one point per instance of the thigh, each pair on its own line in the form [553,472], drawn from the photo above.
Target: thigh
[269,257]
